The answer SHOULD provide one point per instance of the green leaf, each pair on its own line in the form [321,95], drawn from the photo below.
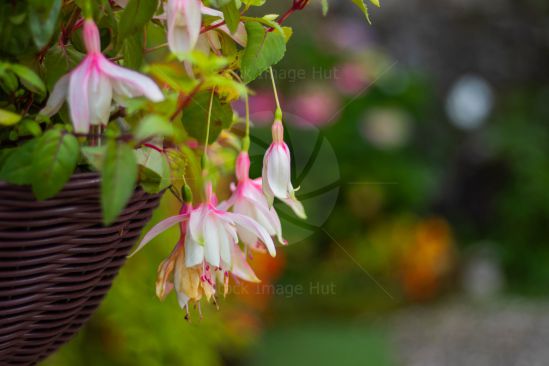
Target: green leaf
[8,118]
[29,78]
[254,2]
[154,170]
[118,178]
[94,155]
[363,8]
[17,167]
[55,158]
[325,6]
[132,50]
[231,15]
[195,117]
[376,3]
[134,17]
[264,49]
[43,16]
[153,125]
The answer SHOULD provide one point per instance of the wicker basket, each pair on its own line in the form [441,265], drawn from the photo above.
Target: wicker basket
[57,261]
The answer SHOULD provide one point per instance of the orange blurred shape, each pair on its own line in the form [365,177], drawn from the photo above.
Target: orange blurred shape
[267,269]
[428,259]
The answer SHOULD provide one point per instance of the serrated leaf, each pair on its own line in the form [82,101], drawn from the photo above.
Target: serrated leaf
[118,179]
[8,118]
[43,16]
[376,3]
[231,15]
[134,17]
[195,117]
[263,50]
[55,158]
[362,6]
[17,167]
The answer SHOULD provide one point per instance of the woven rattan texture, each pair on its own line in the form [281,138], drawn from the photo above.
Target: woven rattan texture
[57,261]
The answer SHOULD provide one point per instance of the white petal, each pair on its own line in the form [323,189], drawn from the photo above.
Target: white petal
[212,235]
[278,171]
[99,98]
[194,252]
[196,223]
[241,268]
[136,84]
[57,96]
[254,227]
[295,205]
[225,242]
[159,229]
[78,96]
[193,17]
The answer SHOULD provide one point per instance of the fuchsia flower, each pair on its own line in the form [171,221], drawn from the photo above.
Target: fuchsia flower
[208,248]
[248,200]
[91,86]
[276,176]
[184,20]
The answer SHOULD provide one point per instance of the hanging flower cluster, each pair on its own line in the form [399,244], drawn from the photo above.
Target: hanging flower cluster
[151,107]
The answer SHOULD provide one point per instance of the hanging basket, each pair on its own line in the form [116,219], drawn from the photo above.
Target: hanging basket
[57,261]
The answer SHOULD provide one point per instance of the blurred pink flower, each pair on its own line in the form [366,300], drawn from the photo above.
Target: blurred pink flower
[262,105]
[317,107]
[91,86]
[352,78]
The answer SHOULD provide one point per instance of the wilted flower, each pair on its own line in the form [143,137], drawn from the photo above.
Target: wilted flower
[91,86]
[207,251]
[276,174]
[184,20]
[248,200]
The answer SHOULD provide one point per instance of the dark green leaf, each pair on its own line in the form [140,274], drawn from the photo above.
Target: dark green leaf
[195,117]
[264,49]
[118,178]
[132,50]
[55,158]
[43,16]
[231,15]
[134,17]
[29,78]
[17,167]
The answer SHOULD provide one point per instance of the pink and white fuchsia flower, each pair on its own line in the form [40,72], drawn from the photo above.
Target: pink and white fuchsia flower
[208,250]
[248,200]
[276,176]
[91,86]
[184,19]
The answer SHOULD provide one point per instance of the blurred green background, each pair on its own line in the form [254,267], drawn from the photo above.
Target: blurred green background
[422,151]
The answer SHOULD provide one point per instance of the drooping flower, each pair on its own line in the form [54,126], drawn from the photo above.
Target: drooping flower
[91,86]
[248,199]
[184,20]
[207,251]
[276,175]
